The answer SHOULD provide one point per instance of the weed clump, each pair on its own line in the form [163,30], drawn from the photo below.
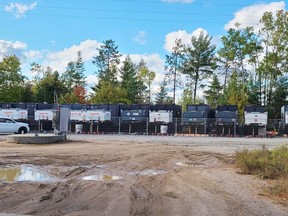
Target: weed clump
[264,163]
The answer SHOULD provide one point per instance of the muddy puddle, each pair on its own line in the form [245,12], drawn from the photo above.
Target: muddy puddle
[24,173]
[102,177]
[152,172]
[102,173]
[190,164]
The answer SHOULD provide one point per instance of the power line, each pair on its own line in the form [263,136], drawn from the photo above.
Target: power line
[123,18]
[177,3]
[142,11]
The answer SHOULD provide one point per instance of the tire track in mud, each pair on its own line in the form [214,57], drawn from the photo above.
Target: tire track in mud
[202,183]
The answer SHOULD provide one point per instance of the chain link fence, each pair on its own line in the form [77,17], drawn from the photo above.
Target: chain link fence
[178,126]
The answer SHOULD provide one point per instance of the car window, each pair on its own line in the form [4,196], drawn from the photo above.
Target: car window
[9,121]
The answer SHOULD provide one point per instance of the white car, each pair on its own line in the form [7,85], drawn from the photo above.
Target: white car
[8,125]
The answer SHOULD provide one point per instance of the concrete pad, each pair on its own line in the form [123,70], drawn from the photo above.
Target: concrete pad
[35,138]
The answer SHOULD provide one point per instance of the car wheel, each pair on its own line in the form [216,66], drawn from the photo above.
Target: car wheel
[22,130]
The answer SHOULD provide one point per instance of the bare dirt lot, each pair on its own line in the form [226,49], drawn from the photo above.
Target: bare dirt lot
[131,175]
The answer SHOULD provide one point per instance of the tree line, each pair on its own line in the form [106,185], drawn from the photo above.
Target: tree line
[248,67]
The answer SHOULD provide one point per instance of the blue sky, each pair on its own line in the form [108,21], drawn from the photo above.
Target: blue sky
[50,32]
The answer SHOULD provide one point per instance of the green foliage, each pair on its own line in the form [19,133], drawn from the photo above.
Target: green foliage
[275,38]
[254,94]
[238,46]
[130,83]
[74,74]
[147,77]
[107,90]
[253,67]
[280,97]
[12,83]
[161,96]
[199,60]
[108,93]
[186,98]
[173,66]
[264,163]
[74,79]
[27,94]
[236,94]
[213,94]
[49,87]
[107,58]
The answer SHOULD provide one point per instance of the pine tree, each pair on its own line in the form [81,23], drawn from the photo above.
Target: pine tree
[199,60]
[213,94]
[173,66]
[74,79]
[130,83]
[161,97]
[107,90]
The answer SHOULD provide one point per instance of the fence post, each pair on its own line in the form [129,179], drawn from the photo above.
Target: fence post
[147,126]
[119,125]
[39,125]
[176,129]
[235,126]
[91,127]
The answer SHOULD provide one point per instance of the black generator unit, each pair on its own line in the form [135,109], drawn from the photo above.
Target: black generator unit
[196,114]
[226,114]
[226,121]
[133,116]
[195,118]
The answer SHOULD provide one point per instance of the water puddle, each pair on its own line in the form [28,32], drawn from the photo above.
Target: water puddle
[152,172]
[24,173]
[190,164]
[101,177]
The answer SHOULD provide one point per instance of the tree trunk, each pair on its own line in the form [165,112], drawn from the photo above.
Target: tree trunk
[195,86]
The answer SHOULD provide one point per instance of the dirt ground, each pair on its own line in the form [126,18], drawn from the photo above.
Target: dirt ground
[129,178]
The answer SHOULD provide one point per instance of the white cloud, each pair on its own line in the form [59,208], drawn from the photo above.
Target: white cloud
[178,1]
[33,54]
[140,37]
[19,9]
[155,63]
[181,34]
[91,79]
[59,60]
[250,16]
[12,48]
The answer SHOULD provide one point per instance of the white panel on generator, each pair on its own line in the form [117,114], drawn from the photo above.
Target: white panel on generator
[22,114]
[14,113]
[43,115]
[77,115]
[161,116]
[98,115]
[255,115]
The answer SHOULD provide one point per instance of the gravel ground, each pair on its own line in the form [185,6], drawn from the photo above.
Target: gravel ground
[154,175]
[212,144]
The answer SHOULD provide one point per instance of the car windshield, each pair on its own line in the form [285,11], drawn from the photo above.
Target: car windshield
[3,120]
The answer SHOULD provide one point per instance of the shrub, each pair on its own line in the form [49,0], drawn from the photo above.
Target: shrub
[264,163]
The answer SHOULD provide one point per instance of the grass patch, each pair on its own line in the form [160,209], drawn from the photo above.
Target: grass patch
[267,164]
[278,190]
[264,163]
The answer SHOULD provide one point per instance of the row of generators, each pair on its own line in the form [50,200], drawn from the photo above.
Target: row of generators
[143,118]
[224,120]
